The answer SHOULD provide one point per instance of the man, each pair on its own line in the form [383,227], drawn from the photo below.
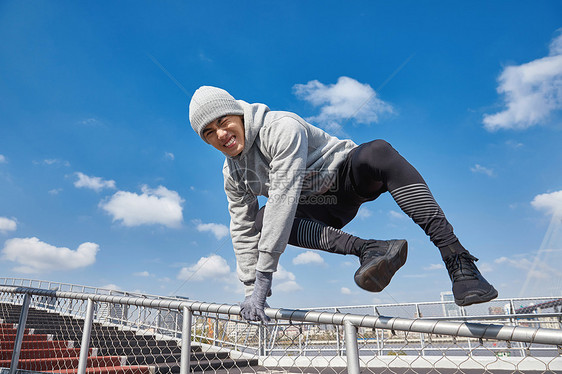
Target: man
[315,184]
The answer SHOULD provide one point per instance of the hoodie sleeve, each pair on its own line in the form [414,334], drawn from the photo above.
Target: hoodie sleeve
[243,207]
[285,141]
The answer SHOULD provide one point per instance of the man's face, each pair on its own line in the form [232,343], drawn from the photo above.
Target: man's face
[226,134]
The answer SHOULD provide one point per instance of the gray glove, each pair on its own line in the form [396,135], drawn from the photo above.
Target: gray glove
[252,308]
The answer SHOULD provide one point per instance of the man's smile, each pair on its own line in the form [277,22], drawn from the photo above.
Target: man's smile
[231,142]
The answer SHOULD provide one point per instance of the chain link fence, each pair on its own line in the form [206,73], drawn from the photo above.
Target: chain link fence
[76,332]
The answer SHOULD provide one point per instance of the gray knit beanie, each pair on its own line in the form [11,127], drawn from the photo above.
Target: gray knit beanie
[209,103]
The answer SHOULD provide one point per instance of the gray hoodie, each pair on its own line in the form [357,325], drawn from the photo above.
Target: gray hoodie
[284,159]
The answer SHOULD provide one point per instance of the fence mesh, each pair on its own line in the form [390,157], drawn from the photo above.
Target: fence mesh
[132,339]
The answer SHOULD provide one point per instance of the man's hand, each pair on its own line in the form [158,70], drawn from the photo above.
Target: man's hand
[252,308]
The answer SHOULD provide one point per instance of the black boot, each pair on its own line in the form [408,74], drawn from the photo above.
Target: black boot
[469,286]
[380,259]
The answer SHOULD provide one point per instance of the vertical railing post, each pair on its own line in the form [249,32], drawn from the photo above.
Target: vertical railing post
[125,315]
[380,341]
[464,314]
[422,335]
[86,333]
[19,334]
[338,342]
[516,323]
[215,328]
[261,349]
[339,348]
[264,338]
[185,364]
[351,349]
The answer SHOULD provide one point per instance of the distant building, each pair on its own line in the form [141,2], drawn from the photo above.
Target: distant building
[496,311]
[236,329]
[169,321]
[113,313]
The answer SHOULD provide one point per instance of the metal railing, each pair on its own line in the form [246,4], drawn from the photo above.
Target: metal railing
[60,286]
[141,334]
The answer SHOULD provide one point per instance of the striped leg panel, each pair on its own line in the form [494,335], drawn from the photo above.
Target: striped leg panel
[418,203]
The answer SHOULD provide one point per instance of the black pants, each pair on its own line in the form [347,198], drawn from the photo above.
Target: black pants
[368,171]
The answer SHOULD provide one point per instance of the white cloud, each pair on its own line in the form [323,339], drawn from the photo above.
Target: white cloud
[52,161]
[55,191]
[555,47]
[550,202]
[35,256]
[514,144]
[93,183]
[203,57]
[7,224]
[486,267]
[3,159]
[364,213]
[415,276]
[142,274]
[112,287]
[344,100]
[482,170]
[541,270]
[397,215]
[516,262]
[213,267]
[283,274]
[288,286]
[308,257]
[285,281]
[90,122]
[217,229]
[376,300]
[532,91]
[434,267]
[169,156]
[153,206]
[345,291]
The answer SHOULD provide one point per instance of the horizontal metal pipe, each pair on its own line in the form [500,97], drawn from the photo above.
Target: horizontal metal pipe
[452,328]
[524,317]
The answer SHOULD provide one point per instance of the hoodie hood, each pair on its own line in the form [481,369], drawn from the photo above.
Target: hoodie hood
[254,116]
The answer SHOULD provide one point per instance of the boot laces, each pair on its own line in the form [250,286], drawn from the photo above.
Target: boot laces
[372,248]
[461,266]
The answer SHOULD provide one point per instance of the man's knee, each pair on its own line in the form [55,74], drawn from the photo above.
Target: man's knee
[379,148]
[373,157]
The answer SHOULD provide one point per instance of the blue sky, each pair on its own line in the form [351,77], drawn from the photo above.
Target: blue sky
[103,182]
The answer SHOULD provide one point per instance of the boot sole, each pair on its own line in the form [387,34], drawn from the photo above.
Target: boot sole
[477,299]
[375,275]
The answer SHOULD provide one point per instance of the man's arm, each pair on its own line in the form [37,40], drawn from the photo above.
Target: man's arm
[286,143]
[243,208]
